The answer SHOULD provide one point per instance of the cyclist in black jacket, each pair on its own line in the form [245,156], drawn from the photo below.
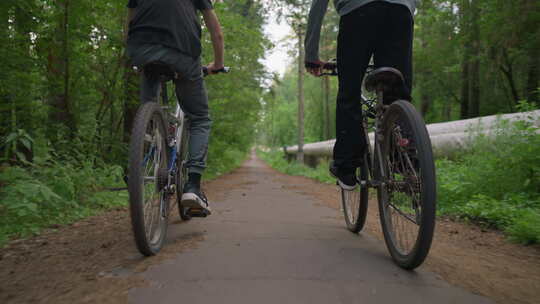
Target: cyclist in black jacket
[379,28]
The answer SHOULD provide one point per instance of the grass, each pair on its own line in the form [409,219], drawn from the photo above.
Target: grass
[495,183]
[276,160]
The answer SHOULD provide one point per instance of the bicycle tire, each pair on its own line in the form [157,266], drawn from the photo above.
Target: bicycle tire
[182,175]
[421,175]
[147,243]
[361,194]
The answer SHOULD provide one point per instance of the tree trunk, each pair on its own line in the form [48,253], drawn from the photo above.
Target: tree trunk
[447,111]
[533,75]
[327,89]
[475,64]
[425,103]
[246,8]
[131,96]
[425,100]
[300,155]
[59,77]
[131,99]
[508,70]
[465,64]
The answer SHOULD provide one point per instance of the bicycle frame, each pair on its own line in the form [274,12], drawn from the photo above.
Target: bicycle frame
[377,112]
[376,151]
[179,122]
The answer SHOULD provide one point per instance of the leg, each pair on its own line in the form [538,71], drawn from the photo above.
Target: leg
[394,47]
[194,99]
[356,32]
[191,92]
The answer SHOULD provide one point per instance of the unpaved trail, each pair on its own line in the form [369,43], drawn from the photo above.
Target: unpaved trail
[272,239]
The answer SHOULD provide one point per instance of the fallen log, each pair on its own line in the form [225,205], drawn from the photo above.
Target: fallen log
[447,138]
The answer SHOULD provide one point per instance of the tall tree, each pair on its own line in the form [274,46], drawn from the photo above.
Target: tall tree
[300,34]
[58,72]
[474,75]
[464,9]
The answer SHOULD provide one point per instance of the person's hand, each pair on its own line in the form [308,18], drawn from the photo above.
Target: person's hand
[314,68]
[213,68]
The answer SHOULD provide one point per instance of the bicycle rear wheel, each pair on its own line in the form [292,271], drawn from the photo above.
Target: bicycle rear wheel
[148,162]
[355,202]
[407,198]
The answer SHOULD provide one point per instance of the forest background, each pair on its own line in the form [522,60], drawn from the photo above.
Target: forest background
[68,93]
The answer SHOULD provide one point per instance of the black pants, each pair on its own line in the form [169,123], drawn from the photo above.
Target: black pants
[379,29]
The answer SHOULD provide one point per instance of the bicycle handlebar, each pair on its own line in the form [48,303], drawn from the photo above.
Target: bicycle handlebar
[332,69]
[223,70]
[330,66]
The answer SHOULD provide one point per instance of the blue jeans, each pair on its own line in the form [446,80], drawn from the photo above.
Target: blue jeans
[190,90]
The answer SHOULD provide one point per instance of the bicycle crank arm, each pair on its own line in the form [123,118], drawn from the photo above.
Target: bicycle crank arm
[197,212]
[372,183]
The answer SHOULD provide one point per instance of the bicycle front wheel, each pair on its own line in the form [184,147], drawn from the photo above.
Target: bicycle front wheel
[407,196]
[148,163]
[355,202]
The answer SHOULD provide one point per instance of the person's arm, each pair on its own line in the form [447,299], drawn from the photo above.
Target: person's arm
[132,10]
[216,35]
[130,16]
[313,36]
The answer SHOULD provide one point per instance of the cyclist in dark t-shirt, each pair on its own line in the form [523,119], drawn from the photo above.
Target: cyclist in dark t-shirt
[169,31]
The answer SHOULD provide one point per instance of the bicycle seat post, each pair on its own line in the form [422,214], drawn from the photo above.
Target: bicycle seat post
[164,93]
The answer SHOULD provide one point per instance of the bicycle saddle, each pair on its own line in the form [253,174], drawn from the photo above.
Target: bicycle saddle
[159,69]
[389,78]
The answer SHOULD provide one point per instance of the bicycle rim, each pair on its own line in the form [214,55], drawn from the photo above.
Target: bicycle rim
[407,199]
[355,203]
[147,179]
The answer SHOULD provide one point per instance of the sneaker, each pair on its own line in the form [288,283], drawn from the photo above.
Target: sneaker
[346,179]
[194,198]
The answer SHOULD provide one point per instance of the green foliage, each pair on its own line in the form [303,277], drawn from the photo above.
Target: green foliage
[278,126]
[13,141]
[526,229]
[276,159]
[450,36]
[497,182]
[68,84]
[229,159]
[55,193]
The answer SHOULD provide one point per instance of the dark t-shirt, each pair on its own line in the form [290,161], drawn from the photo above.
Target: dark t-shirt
[172,23]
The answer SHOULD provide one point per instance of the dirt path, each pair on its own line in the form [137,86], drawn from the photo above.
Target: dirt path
[272,238]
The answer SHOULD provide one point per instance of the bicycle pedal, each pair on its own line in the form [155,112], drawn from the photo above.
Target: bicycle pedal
[197,212]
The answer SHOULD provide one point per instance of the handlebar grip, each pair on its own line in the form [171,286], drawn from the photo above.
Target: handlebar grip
[330,65]
[223,70]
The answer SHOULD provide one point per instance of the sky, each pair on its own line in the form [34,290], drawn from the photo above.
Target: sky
[277,59]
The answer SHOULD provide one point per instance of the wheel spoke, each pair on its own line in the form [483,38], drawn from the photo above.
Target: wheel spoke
[402,199]
[151,197]
[406,216]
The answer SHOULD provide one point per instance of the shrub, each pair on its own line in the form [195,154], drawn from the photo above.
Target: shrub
[39,196]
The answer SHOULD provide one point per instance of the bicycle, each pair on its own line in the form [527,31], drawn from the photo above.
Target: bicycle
[158,152]
[401,169]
